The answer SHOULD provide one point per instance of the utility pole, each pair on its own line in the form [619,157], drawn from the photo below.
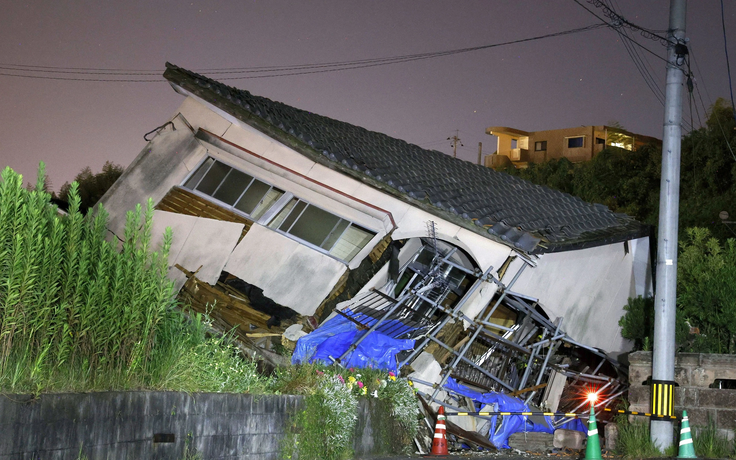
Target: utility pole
[454,140]
[663,356]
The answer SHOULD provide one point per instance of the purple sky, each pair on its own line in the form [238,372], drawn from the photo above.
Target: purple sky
[580,79]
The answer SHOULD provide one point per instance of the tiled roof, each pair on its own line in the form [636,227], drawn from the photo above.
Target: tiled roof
[530,217]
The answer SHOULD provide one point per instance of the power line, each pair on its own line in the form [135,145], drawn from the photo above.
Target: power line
[616,27]
[262,72]
[640,65]
[620,21]
[728,64]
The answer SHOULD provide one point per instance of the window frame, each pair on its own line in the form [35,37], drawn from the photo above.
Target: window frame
[569,138]
[265,219]
[542,145]
[229,207]
[277,229]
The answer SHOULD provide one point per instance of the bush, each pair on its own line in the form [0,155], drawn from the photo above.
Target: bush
[324,430]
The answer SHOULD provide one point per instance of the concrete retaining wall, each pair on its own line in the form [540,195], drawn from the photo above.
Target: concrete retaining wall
[694,374]
[157,425]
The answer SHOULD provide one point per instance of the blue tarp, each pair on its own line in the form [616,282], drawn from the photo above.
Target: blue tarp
[500,432]
[336,335]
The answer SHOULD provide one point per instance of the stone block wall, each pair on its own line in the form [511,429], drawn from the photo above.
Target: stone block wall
[694,374]
[158,425]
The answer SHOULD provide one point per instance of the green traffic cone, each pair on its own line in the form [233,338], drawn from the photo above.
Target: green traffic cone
[593,448]
[687,450]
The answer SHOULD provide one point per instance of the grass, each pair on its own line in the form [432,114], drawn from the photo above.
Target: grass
[634,441]
[325,428]
[709,444]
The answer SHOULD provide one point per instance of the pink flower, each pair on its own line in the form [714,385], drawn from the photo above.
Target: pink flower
[352,369]
[391,374]
[320,373]
[340,378]
[360,384]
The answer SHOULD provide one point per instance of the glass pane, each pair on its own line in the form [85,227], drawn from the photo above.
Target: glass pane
[332,238]
[252,196]
[213,178]
[271,197]
[232,187]
[352,241]
[276,222]
[314,225]
[194,180]
[575,142]
[289,221]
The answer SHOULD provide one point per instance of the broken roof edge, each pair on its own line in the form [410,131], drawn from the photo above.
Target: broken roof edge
[531,242]
[634,231]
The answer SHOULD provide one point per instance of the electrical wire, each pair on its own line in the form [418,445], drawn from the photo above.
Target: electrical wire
[616,27]
[262,72]
[640,65]
[622,22]
[702,103]
[728,64]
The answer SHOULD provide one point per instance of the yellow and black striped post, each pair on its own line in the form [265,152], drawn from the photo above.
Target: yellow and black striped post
[663,398]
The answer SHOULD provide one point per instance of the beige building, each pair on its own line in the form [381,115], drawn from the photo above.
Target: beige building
[519,148]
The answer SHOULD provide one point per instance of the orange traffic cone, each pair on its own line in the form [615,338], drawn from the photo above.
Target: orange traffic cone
[439,443]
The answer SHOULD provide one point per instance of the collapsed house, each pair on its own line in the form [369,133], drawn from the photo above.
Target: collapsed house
[281,217]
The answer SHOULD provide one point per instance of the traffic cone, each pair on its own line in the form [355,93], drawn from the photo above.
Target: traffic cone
[593,447]
[439,443]
[687,450]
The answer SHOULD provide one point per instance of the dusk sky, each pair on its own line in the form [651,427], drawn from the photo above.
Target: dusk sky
[587,78]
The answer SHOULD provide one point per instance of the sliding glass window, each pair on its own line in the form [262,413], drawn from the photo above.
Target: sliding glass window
[290,215]
[234,188]
[339,237]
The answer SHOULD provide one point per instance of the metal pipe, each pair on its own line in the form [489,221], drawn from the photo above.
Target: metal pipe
[478,330]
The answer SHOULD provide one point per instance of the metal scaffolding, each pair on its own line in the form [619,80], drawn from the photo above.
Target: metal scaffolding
[486,355]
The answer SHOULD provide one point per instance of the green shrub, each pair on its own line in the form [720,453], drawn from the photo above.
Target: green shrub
[78,313]
[325,428]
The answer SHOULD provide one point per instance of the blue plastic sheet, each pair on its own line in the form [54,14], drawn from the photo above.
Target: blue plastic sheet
[335,336]
[500,431]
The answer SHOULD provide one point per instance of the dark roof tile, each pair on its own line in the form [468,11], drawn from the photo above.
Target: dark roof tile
[524,215]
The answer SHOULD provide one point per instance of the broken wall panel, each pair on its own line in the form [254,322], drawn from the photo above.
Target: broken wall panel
[589,288]
[193,245]
[353,281]
[289,272]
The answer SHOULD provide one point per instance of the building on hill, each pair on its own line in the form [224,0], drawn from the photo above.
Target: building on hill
[520,148]
[305,211]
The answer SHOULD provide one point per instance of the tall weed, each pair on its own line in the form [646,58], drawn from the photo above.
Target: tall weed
[79,313]
[709,443]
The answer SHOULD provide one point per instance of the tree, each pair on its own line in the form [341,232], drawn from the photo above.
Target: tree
[629,181]
[92,186]
[706,298]
[706,286]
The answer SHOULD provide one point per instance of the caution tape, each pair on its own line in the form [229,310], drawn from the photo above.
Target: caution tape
[559,414]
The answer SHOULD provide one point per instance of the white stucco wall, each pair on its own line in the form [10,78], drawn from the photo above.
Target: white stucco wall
[198,243]
[289,272]
[589,288]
